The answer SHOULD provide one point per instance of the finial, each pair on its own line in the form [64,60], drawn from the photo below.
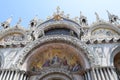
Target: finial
[62,13]
[109,15]
[97,17]
[81,14]
[49,17]
[18,23]
[9,20]
[57,16]
[67,16]
[58,10]
[108,12]
[76,19]
[36,18]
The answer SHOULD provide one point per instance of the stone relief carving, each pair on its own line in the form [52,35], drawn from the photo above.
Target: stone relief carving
[99,51]
[106,32]
[14,37]
[9,57]
[100,56]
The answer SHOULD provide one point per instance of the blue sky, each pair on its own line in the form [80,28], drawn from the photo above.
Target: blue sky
[27,9]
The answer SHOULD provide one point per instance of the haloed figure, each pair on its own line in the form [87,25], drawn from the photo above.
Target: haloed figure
[55,59]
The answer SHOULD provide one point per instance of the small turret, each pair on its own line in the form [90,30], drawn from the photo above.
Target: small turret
[83,20]
[34,21]
[6,23]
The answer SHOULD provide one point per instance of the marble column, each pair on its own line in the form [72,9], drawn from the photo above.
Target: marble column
[13,75]
[88,75]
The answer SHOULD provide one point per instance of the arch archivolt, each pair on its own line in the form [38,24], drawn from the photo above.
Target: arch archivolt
[23,54]
[58,24]
[114,52]
[13,32]
[56,75]
[104,27]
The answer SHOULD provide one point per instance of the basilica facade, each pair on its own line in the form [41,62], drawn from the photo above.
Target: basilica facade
[61,48]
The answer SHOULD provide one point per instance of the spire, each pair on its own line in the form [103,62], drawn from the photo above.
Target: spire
[112,18]
[9,20]
[81,14]
[109,16]
[18,23]
[108,13]
[97,17]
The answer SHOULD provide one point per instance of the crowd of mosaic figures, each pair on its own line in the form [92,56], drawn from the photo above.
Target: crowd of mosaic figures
[56,61]
[62,62]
